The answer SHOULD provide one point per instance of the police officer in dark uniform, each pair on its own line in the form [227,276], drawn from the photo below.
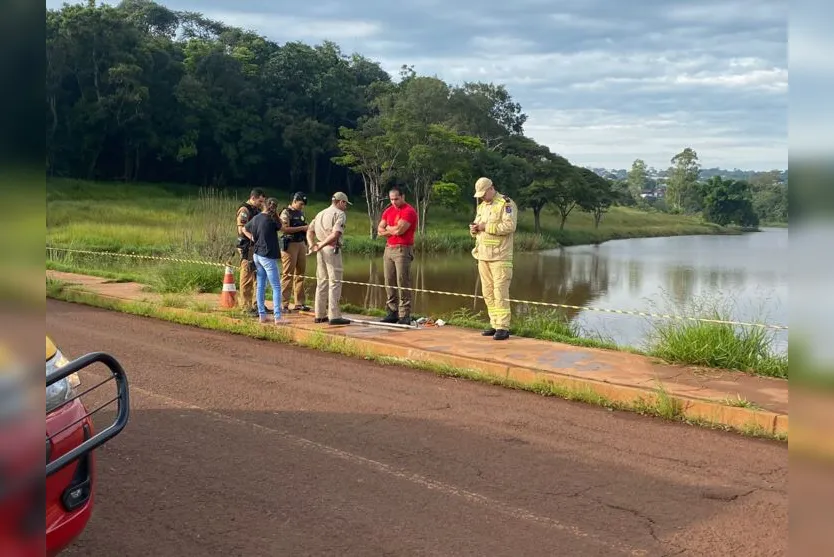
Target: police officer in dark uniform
[246,212]
[294,251]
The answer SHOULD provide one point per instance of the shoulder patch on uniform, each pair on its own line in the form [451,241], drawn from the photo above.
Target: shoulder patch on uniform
[508,208]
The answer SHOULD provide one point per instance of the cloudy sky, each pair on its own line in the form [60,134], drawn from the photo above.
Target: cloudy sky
[603,81]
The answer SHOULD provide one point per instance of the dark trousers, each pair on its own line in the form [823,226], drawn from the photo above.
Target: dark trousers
[397,263]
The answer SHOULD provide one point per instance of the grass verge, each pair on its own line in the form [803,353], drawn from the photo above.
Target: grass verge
[658,404]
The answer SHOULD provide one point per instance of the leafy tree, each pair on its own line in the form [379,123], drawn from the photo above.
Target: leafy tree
[374,155]
[729,201]
[598,196]
[770,196]
[443,151]
[683,180]
[637,179]
[555,182]
[486,111]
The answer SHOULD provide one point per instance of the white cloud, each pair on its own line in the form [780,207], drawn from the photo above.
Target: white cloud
[726,12]
[772,80]
[573,21]
[463,18]
[606,138]
[598,69]
[501,45]
[775,79]
[291,28]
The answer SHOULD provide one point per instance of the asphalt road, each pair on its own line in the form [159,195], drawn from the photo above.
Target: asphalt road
[244,447]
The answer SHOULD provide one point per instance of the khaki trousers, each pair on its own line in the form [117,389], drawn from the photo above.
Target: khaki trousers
[247,281]
[329,273]
[495,286]
[293,262]
[397,264]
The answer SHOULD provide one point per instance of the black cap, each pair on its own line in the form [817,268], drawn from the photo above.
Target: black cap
[299,196]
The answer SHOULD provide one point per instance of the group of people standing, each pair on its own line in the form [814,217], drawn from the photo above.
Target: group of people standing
[258,224]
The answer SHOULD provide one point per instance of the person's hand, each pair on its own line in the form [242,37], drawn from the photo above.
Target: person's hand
[316,247]
[473,228]
[481,227]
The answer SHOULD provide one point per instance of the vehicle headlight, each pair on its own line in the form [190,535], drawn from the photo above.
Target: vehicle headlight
[60,391]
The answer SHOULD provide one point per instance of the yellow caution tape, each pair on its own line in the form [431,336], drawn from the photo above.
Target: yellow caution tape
[444,293]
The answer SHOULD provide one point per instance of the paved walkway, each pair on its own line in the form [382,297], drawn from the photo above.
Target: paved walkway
[619,376]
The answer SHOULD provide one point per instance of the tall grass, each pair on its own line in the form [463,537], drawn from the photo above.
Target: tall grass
[186,277]
[716,345]
[211,229]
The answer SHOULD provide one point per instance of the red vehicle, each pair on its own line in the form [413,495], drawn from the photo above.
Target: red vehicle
[71,440]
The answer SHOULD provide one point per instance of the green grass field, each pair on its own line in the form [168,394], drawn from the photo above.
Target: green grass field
[187,220]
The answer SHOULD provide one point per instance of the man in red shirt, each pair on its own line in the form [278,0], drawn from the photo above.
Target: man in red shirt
[398,224]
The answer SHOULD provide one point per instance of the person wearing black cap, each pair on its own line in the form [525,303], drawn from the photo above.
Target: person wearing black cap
[294,251]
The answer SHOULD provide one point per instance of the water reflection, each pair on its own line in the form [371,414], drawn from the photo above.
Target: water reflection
[650,275]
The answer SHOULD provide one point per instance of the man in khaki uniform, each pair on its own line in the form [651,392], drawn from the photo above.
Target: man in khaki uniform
[294,252]
[246,212]
[493,229]
[325,239]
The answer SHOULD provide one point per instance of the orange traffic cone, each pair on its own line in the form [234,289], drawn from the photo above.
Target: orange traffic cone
[229,295]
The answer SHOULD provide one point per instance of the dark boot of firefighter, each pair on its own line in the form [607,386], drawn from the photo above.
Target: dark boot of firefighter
[246,212]
[493,229]
[294,252]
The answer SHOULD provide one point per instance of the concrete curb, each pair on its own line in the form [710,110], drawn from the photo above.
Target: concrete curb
[690,409]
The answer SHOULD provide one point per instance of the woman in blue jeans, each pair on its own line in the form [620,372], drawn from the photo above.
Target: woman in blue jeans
[263,231]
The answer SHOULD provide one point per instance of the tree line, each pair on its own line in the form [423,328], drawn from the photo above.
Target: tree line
[719,199]
[140,92]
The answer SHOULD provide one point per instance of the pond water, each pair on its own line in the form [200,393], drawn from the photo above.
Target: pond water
[745,274]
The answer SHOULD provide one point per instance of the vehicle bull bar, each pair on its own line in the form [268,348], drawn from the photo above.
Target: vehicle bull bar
[122,397]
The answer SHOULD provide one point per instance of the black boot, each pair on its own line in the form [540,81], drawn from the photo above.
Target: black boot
[488,332]
[501,334]
[391,317]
